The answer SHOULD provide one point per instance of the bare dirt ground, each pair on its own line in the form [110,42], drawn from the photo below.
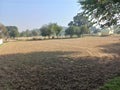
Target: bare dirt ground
[69,64]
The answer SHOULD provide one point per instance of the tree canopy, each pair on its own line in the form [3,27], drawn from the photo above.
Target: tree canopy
[80,25]
[70,31]
[12,31]
[29,33]
[102,12]
[51,29]
[45,31]
[2,30]
[79,20]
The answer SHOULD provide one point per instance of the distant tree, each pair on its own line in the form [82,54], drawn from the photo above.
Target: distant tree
[51,29]
[70,31]
[93,29]
[80,20]
[38,31]
[28,33]
[34,33]
[84,29]
[58,30]
[80,24]
[23,34]
[12,31]
[2,30]
[77,31]
[62,32]
[45,31]
[55,29]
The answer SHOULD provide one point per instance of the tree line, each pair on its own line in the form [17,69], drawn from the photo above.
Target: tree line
[100,12]
[51,30]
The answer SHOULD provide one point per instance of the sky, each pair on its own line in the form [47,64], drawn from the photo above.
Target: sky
[31,14]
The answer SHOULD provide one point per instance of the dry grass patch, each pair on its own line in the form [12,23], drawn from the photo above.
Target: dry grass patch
[75,64]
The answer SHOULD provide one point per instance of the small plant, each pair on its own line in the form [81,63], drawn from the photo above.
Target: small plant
[113,84]
[0,36]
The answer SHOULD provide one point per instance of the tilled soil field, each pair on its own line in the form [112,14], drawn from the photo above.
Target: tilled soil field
[69,64]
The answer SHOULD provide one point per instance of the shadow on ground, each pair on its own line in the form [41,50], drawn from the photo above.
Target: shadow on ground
[55,71]
[111,48]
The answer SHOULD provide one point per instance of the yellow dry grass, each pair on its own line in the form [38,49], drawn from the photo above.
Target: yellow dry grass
[92,46]
[68,64]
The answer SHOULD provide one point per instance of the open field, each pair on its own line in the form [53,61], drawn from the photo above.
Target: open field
[69,64]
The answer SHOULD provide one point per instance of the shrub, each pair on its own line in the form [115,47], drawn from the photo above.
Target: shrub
[113,84]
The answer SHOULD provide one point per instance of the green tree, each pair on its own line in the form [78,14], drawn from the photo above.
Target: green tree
[55,29]
[2,30]
[38,32]
[45,31]
[84,29]
[34,33]
[28,33]
[77,31]
[79,20]
[51,29]
[102,12]
[23,34]
[81,24]
[12,31]
[58,30]
[70,31]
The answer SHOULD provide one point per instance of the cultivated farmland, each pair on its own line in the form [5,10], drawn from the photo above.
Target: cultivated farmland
[69,64]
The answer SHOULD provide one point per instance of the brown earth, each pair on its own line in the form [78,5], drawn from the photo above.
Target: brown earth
[69,64]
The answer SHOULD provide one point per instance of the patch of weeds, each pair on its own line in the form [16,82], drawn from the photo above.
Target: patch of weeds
[112,84]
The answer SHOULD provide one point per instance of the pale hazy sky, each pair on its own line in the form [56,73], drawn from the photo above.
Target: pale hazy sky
[29,14]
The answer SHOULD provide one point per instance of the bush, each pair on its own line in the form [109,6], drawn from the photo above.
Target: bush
[36,39]
[113,84]
[0,36]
